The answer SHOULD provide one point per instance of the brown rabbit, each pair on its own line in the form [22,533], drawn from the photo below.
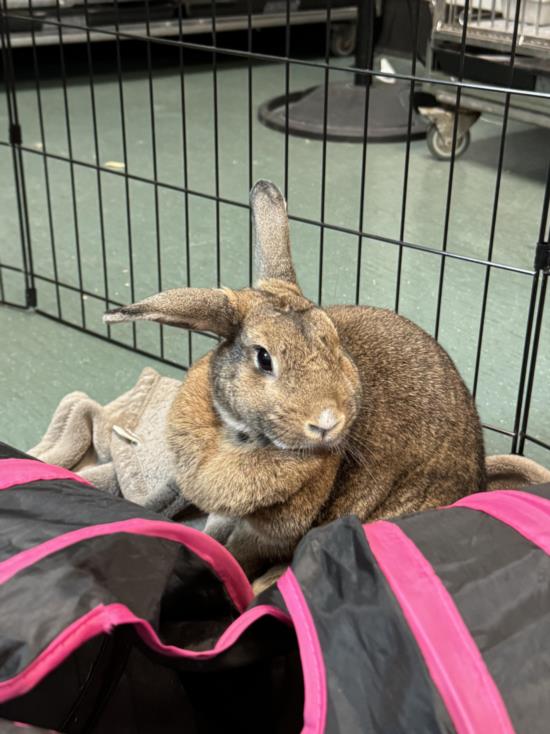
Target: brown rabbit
[302,414]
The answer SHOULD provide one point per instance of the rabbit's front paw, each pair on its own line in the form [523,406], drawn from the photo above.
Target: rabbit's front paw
[267,579]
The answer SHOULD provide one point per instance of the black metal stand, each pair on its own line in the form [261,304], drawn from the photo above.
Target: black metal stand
[388,104]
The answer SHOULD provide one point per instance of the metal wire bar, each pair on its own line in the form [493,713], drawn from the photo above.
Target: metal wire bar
[185,175]
[303,220]
[524,362]
[216,142]
[155,165]
[13,304]
[31,291]
[250,138]
[497,429]
[415,26]
[451,170]
[520,402]
[98,173]
[287,93]
[125,175]
[70,157]
[15,269]
[240,53]
[537,441]
[367,84]
[7,68]
[124,345]
[66,286]
[545,210]
[544,237]
[324,155]
[152,355]
[88,294]
[17,161]
[97,297]
[533,364]
[45,164]
[496,199]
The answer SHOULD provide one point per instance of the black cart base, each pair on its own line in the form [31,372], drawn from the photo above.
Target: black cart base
[388,112]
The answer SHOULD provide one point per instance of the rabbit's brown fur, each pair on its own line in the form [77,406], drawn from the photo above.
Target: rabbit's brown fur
[361,413]
[418,440]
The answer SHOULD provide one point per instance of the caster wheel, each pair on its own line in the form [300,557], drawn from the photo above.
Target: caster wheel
[443,152]
[342,39]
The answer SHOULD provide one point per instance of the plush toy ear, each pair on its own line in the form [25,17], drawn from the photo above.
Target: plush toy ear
[271,233]
[198,309]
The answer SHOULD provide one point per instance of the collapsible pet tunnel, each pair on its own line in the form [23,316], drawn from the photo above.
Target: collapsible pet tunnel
[113,620]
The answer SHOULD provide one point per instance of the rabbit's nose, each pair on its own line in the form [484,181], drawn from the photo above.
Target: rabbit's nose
[325,424]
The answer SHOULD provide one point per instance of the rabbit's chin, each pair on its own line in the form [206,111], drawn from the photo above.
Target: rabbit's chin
[327,446]
[286,440]
[246,434]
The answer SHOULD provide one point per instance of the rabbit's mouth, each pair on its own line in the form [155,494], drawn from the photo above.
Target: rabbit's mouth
[324,430]
[309,446]
[318,442]
[262,440]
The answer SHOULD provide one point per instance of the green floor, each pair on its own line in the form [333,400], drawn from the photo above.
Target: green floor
[40,360]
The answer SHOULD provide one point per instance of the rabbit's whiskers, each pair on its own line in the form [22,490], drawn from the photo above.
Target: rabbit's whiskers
[358,450]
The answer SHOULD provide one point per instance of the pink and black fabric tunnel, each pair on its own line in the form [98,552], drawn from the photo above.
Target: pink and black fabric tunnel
[114,620]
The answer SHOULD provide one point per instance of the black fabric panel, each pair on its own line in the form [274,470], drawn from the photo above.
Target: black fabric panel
[500,583]
[99,689]
[33,513]
[50,703]
[541,490]
[377,679]
[148,698]
[42,600]
[265,696]
[259,692]
[38,511]
[266,638]
[152,696]
[8,452]
[258,675]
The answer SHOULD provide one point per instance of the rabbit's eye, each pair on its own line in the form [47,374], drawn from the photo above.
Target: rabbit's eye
[263,360]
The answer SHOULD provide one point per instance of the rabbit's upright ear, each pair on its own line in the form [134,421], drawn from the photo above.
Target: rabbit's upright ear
[271,233]
[198,309]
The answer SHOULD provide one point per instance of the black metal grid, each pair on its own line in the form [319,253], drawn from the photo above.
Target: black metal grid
[214,49]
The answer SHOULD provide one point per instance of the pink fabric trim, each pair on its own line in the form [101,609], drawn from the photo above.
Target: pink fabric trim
[313,664]
[21,471]
[220,560]
[102,619]
[526,513]
[454,662]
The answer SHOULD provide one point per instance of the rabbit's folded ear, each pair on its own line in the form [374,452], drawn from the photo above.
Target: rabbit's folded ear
[271,233]
[198,309]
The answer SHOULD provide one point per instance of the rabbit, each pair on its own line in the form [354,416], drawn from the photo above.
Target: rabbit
[304,414]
